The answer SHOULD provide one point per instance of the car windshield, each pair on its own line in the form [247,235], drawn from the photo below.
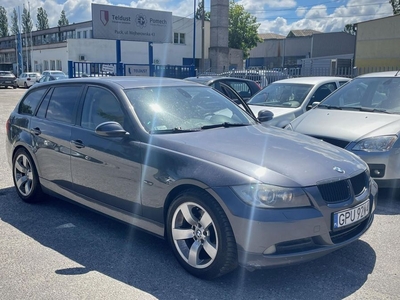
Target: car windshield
[182,109]
[289,95]
[373,94]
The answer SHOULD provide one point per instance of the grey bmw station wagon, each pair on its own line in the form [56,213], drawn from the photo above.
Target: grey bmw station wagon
[181,161]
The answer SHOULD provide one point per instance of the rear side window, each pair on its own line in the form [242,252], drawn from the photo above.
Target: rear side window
[63,103]
[31,101]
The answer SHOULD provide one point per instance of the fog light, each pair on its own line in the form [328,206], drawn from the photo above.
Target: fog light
[377,172]
[270,250]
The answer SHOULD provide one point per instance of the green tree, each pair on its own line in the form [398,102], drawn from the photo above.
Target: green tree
[14,23]
[199,12]
[27,23]
[63,19]
[42,20]
[242,29]
[395,5]
[350,28]
[3,22]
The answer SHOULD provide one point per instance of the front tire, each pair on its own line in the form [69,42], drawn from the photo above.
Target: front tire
[200,235]
[25,176]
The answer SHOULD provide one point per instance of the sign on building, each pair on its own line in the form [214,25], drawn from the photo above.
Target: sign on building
[137,70]
[131,24]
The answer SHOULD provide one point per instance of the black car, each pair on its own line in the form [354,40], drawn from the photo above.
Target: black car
[246,88]
[180,160]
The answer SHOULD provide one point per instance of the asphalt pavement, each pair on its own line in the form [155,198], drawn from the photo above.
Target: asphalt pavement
[59,250]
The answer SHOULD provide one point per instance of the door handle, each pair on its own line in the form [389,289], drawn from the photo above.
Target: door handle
[78,143]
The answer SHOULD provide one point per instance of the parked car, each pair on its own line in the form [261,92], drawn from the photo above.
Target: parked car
[50,76]
[7,79]
[180,160]
[246,88]
[27,79]
[289,98]
[363,117]
[262,77]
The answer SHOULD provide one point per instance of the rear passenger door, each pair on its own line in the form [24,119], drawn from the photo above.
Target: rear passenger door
[51,128]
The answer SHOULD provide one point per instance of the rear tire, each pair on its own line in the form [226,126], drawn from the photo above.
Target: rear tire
[26,178]
[200,235]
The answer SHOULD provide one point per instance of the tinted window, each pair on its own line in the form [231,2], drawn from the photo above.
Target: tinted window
[100,106]
[62,103]
[31,101]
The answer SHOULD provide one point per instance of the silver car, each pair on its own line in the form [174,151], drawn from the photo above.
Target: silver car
[181,161]
[363,117]
[289,98]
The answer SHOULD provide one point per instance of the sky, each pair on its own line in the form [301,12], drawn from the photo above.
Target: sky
[274,16]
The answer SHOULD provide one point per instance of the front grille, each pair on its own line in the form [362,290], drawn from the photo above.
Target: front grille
[335,191]
[339,191]
[349,232]
[336,142]
[359,183]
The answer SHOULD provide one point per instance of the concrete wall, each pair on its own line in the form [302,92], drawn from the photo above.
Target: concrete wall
[378,43]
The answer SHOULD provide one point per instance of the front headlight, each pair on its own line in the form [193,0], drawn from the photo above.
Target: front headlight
[269,196]
[376,144]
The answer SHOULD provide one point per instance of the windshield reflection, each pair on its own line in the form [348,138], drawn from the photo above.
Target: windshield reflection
[282,95]
[184,109]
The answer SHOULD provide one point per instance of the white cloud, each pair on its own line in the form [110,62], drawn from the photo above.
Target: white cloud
[301,11]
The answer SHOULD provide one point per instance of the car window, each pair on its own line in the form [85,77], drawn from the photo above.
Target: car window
[30,102]
[184,108]
[368,92]
[62,103]
[242,88]
[322,92]
[100,105]
[282,95]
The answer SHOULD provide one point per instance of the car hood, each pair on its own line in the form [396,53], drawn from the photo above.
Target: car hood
[267,154]
[346,125]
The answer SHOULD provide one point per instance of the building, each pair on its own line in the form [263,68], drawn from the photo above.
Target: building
[378,44]
[51,49]
[302,49]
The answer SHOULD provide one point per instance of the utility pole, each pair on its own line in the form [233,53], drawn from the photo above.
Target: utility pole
[29,6]
[202,37]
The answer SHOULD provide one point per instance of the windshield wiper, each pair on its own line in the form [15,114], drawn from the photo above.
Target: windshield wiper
[368,109]
[173,130]
[225,124]
[330,106]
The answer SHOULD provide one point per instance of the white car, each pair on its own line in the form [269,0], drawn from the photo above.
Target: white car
[27,79]
[289,98]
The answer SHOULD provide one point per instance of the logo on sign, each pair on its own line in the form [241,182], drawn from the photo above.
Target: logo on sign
[141,20]
[104,17]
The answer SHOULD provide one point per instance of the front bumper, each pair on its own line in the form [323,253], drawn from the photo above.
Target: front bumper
[272,238]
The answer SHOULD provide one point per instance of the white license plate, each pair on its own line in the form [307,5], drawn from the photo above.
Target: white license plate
[351,215]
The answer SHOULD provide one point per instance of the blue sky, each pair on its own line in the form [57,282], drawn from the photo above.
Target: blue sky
[276,16]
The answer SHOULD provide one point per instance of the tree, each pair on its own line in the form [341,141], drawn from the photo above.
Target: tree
[14,23]
[27,23]
[242,29]
[63,19]
[199,12]
[396,6]
[350,28]
[42,20]
[3,22]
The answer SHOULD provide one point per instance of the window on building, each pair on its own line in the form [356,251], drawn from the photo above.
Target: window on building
[52,64]
[85,34]
[58,65]
[179,38]
[78,35]
[46,64]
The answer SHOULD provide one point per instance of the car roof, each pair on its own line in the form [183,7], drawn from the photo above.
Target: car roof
[127,82]
[382,74]
[312,80]
[208,79]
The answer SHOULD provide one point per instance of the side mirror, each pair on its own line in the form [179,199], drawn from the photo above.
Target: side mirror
[111,129]
[265,116]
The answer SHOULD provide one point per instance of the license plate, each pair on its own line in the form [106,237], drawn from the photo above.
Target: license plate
[352,215]
[8,81]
